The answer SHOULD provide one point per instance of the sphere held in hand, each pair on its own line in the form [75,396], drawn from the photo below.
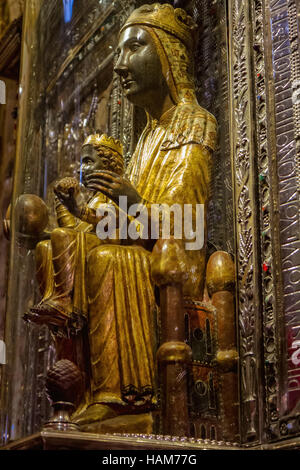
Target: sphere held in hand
[31,214]
[66,184]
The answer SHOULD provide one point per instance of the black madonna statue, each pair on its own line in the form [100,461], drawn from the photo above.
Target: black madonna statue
[171,165]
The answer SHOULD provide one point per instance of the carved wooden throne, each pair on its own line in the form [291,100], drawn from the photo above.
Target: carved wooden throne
[198,354]
[197,357]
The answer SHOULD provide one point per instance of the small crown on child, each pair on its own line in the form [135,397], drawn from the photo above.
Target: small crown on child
[106,141]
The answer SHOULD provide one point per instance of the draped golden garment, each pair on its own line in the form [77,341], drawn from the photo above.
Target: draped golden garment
[61,261]
[171,164]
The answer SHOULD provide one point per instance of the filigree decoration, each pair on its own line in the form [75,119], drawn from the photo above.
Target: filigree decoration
[288,426]
[127,134]
[285,52]
[265,203]
[211,80]
[245,250]
[124,8]
[244,208]
[295,69]
[180,440]
[241,99]
[246,320]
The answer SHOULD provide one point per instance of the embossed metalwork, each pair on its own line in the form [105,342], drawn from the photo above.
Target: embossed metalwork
[266,181]
[211,74]
[275,75]
[48,440]
[294,32]
[53,440]
[246,232]
[285,56]
[121,118]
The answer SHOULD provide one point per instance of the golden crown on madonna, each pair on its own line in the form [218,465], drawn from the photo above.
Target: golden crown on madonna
[172,20]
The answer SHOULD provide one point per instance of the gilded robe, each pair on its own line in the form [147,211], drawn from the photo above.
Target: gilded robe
[171,164]
[61,261]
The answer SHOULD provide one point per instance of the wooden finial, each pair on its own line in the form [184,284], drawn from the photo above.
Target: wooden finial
[169,264]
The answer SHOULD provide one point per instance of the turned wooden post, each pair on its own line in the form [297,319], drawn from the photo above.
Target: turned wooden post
[220,281]
[169,272]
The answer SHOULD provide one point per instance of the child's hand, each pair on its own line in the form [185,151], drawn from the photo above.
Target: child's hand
[113,186]
[67,190]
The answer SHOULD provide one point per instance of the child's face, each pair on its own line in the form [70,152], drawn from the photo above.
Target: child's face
[90,162]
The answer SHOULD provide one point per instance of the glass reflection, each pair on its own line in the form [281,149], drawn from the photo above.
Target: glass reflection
[68,10]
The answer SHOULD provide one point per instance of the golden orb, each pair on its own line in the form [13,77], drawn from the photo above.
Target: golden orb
[31,214]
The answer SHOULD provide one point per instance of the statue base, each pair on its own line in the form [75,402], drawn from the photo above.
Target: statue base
[67,440]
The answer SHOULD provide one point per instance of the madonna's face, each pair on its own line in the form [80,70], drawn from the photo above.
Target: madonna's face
[139,66]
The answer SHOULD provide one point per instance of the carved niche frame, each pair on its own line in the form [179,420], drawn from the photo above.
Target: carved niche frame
[265,70]
[259,157]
